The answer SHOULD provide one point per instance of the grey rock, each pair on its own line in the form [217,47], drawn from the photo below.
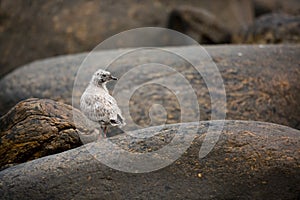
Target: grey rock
[251,160]
[261,82]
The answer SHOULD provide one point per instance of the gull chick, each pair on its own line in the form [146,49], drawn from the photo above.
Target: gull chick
[98,105]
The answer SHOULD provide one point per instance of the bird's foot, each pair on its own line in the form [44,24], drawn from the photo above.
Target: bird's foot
[102,134]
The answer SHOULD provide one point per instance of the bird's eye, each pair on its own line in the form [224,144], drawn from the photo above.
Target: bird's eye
[98,74]
[104,75]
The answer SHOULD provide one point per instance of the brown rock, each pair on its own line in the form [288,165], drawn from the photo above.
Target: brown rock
[35,128]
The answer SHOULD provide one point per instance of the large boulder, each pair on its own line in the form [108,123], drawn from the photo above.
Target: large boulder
[261,82]
[35,128]
[251,160]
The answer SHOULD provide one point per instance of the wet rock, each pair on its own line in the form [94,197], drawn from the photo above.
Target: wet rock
[272,29]
[35,128]
[261,82]
[251,160]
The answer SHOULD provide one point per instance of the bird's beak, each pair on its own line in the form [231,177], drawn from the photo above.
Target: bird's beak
[113,78]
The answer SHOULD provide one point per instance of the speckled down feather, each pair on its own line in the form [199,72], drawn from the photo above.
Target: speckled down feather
[99,106]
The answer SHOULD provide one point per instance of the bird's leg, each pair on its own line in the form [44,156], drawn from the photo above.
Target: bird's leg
[103,130]
[100,131]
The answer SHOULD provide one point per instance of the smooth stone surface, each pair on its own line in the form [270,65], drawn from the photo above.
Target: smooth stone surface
[261,82]
[251,160]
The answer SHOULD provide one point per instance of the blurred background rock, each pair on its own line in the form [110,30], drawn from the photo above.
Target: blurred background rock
[31,30]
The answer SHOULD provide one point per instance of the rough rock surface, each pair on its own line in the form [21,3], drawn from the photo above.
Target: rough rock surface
[261,82]
[35,128]
[31,30]
[251,160]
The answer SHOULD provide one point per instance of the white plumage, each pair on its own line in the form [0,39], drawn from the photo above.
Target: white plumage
[98,105]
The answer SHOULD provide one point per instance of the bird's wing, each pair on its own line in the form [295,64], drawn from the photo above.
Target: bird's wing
[100,107]
[116,112]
